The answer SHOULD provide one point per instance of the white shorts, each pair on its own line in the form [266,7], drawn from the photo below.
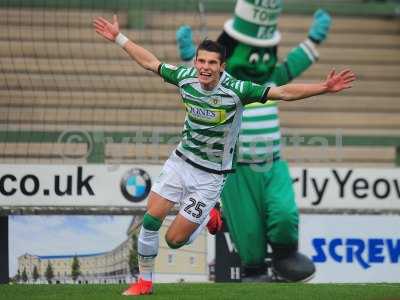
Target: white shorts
[195,190]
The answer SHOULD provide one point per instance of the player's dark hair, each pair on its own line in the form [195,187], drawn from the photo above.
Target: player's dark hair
[212,46]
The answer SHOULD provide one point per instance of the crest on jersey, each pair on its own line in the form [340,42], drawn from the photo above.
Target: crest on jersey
[215,101]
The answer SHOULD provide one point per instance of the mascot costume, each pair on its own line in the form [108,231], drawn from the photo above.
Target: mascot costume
[258,201]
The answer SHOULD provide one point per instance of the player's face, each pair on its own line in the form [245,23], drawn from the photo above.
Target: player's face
[209,68]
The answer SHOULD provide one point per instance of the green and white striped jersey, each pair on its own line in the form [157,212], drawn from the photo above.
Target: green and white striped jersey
[260,135]
[213,118]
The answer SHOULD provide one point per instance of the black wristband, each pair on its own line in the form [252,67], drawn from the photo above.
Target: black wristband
[159,69]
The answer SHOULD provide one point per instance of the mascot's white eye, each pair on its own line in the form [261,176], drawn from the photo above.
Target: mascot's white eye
[254,58]
[266,57]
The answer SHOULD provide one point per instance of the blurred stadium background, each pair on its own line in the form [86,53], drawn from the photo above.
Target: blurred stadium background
[58,76]
[68,97]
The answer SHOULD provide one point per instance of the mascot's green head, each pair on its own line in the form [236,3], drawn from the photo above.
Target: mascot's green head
[251,39]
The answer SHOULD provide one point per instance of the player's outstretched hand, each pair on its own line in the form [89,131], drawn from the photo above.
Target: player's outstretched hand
[336,82]
[106,29]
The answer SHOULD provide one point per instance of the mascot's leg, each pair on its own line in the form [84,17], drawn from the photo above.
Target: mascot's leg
[242,210]
[282,226]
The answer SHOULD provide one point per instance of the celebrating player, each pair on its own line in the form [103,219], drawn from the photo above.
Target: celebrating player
[194,174]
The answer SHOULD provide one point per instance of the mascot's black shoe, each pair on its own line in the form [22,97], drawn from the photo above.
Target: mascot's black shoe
[257,278]
[294,268]
[256,273]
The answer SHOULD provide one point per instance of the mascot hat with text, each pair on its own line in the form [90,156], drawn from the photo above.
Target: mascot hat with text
[255,22]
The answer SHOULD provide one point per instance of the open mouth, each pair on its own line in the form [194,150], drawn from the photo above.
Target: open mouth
[250,73]
[205,75]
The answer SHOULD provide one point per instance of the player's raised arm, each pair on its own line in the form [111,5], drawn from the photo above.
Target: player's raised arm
[335,82]
[110,31]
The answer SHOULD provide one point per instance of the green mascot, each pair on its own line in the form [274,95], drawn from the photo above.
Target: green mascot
[258,200]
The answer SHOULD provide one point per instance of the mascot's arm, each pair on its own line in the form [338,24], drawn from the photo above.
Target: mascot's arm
[186,46]
[304,55]
[298,60]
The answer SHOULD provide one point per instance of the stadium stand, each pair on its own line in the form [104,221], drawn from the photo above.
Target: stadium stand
[58,76]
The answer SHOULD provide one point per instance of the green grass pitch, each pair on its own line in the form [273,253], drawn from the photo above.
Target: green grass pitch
[192,291]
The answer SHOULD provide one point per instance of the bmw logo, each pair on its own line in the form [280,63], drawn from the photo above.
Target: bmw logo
[135,185]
